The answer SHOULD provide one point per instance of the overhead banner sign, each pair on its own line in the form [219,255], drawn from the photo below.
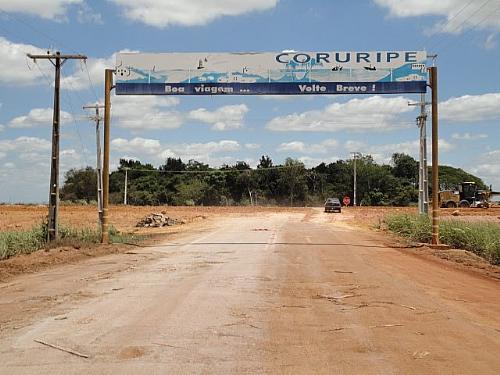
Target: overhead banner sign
[281,73]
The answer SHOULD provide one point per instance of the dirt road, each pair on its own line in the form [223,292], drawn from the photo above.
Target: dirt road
[283,293]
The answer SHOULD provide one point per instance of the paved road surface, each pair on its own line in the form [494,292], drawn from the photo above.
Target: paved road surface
[276,294]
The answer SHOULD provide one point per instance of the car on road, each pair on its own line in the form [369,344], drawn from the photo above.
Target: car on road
[332,205]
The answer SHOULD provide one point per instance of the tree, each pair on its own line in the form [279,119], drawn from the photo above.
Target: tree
[80,184]
[290,183]
[172,164]
[405,167]
[450,178]
[293,178]
[190,193]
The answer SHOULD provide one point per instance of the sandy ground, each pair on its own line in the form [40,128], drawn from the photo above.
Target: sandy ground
[124,218]
[270,293]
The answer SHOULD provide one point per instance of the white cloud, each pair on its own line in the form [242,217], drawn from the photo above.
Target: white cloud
[2,127]
[252,146]
[2,155]
[28,182]
[70,158]
[383,153]
[25,144]
[468,136]
[489,168]
[151,150]
[471,108]
[206,148]
[79,79]
[38,117]
[16,68]
[371,114]
[86,14]
[304,148]
[457,15]
[224,118]
[310,162]
[49,9]
[204,152]
[146,112]
[163,13]
[490,42]
[137,145]
[282,97]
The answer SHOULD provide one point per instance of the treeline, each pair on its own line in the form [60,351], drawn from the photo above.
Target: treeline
[291,183]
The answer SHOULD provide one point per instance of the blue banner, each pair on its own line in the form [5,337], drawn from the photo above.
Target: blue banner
[271,88]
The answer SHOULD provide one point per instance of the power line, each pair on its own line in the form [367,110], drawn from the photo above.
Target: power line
[38,31]
[489,15]
[208,171]
[436,46]
[456,15]
[91,83]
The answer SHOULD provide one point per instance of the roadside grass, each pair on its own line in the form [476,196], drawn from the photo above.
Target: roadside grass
[25,242]
[481,238]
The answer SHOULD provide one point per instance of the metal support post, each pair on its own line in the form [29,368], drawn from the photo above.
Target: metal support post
[435,156]
[108,85]
[355,155]
[97,118]
[126,186]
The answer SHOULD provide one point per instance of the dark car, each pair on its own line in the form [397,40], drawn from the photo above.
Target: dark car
[332,205]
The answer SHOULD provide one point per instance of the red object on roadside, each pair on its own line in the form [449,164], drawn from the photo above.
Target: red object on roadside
[346,201]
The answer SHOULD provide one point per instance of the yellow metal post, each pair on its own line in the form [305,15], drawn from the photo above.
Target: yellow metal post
[108,85]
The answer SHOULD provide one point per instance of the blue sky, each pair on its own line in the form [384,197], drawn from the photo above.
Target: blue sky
[220,130]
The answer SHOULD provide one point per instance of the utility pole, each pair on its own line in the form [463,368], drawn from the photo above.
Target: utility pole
[435,156]
[108,86]
[58,61]
[423,184]
[355,155]
[97,118]
[126,185]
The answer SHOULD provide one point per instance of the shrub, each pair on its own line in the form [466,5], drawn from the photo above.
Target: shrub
[480,238]
[25,242]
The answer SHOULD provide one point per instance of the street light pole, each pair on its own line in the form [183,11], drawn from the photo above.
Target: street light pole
[126,185]
[355,155]
[97,118]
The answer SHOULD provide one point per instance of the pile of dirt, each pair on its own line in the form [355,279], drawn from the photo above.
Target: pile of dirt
[158,220]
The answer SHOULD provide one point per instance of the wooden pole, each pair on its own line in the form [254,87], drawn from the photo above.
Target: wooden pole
[108,85]
[435,157]
[54,160]
[57,60]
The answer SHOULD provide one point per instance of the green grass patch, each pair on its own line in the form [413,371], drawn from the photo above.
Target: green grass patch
[482,238]
[21,242]
[25,242]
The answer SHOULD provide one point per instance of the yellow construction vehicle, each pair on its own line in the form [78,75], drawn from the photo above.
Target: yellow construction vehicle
[467,195]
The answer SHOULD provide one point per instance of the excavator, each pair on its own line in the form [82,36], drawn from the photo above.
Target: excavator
[467,195]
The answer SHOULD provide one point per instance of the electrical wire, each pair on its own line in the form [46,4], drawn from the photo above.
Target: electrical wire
[92,88]
[208,171]
[456,15]
[38,31]
[489,15]
[436,46]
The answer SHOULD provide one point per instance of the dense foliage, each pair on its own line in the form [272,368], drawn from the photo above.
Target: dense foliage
[290,183]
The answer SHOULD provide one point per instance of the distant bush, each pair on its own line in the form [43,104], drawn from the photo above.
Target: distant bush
[482,238]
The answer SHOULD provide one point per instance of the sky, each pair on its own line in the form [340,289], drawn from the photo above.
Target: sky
[222,130]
